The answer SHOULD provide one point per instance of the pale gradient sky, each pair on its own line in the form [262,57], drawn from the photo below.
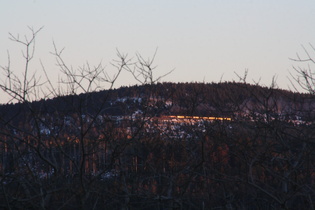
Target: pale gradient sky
[201,39]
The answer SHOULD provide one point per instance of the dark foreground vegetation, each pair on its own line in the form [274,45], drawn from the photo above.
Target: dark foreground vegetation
[126,149]
[70,152]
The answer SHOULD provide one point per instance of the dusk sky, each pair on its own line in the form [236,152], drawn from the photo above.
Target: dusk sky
[203,40]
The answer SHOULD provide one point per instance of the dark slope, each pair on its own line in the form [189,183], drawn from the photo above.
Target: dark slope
[174,98]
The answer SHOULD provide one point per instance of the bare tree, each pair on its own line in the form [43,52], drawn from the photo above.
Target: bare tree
[305,74]
[142,70]
[59,158]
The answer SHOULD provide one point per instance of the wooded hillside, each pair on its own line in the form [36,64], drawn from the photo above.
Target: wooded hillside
[116,149]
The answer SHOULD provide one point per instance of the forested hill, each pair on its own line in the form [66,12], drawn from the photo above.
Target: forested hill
[253,148]
[215,99]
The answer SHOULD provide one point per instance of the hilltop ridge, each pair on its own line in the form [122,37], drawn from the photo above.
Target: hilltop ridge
[194,99]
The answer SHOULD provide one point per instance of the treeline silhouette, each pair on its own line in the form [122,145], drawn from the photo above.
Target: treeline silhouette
[202,99]
[113,150]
